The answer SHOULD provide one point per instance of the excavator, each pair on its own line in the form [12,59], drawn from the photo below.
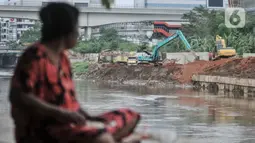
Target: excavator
[221,50]
[155,57]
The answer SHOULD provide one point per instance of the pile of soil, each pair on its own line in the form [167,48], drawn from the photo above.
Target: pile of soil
[244,68]
[198,67]
[173,72]
[122,73]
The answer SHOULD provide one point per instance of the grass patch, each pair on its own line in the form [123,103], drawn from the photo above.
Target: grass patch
[80,67]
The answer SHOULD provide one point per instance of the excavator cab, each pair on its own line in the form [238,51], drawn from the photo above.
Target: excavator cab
[220,42]
[155,57]
[221,50]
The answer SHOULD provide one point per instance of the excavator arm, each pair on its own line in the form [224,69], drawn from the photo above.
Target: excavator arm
[177,34]
[154,57]
[186,43]
[161,44]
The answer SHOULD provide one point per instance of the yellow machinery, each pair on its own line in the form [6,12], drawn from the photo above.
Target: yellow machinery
[132,59]
[126,58]
[221,50]
[118,57]
[122,59]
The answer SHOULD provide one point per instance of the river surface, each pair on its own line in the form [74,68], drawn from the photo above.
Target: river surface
[194,117]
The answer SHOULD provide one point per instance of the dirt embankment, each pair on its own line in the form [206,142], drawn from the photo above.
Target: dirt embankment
[121,73]
[174,73]
[243,68]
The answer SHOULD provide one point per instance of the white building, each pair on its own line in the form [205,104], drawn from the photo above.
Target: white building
[43,2]
[4,30]
[171,3]
[174,3]
[11,28]
[121,3]
[248,3]
[124,3]
[78,3]
[139,3]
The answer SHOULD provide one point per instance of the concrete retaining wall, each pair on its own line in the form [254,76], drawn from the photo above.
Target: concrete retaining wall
[186,57]
[182,57]
[245,55]
[240,87]
[91,57]
[225,80]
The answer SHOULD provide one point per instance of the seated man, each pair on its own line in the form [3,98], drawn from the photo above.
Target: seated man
[42,92]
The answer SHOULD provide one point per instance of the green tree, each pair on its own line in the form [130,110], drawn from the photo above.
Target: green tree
[127,46]
[205,24]
[107,3]
[143,47]
[13,45]
[109,39]
[31,35]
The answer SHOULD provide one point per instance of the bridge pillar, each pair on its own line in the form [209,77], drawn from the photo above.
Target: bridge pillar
[88,32]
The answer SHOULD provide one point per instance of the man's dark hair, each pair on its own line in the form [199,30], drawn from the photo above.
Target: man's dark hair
[58,19]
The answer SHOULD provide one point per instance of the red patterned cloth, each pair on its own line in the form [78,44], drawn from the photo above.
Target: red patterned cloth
[36,74]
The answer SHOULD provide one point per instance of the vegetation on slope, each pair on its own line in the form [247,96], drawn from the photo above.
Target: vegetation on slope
[204,25]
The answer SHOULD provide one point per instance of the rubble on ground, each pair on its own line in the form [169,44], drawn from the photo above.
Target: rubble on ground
[172,72]
[242,68]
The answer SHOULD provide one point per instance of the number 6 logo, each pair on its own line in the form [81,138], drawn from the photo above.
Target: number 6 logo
[235,17]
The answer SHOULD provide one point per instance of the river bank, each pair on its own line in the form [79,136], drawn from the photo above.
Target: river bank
[170,74]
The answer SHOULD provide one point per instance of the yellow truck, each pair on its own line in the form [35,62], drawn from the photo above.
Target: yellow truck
[126,58]
[121,59]
[132,58]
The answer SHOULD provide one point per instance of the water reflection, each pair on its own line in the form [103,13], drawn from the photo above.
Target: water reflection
[196,117]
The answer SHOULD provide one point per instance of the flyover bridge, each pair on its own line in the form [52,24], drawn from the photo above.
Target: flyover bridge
[96,16]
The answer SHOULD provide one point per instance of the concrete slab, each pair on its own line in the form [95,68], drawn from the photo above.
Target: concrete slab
[245,82]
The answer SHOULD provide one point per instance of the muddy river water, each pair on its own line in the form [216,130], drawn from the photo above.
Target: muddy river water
[194,117]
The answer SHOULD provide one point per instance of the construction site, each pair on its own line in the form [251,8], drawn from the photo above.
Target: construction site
[213,73]
[242,69]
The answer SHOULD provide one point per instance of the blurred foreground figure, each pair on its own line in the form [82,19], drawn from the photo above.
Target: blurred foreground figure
[42,94]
